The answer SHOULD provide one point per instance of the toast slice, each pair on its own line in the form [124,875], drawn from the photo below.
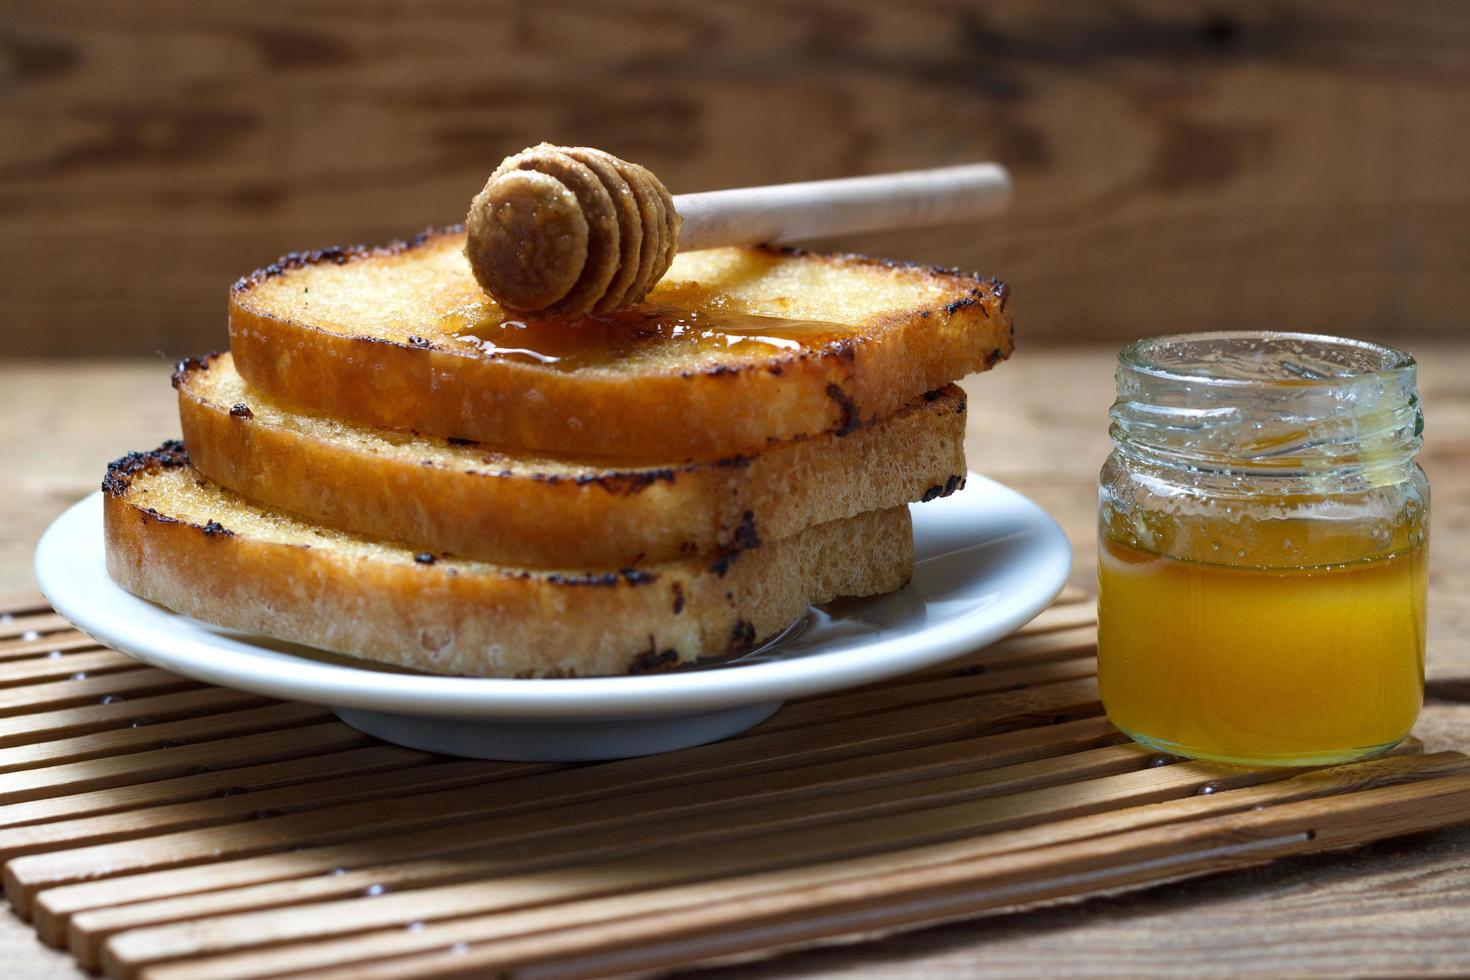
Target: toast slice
[734,349]
[473,502]
[176,539]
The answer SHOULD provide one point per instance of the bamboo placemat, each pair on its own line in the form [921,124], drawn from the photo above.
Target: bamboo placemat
[165,829]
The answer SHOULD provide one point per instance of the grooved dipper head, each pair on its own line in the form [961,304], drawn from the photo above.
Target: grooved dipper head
[567,231]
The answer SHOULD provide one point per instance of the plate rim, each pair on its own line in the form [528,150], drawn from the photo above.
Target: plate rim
[589,698]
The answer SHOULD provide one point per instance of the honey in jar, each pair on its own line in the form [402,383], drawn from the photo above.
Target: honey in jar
[1263,549]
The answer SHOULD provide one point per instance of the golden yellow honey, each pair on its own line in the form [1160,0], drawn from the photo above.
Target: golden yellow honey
[598,341]
[1317,657]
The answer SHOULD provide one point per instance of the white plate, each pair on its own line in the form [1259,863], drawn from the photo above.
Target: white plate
[988,561]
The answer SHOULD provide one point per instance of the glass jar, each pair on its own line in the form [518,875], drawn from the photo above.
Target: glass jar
[1263,540]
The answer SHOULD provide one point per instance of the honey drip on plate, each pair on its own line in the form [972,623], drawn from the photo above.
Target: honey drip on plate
[597,340]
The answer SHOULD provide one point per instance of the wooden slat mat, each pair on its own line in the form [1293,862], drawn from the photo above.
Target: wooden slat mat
[164,829]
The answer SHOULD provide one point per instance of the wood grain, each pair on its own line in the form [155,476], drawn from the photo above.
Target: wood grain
[654,908]
[807,800]
[20,649]
[206,782]
[24,876]
[1223,843]
[125,953]
[350,876]
[878,816]
[114,711]
[57,904]
[81,688]
[1179,165]
[34,625]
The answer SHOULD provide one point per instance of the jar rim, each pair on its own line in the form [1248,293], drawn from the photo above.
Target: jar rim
[1268,402]
[1377,360]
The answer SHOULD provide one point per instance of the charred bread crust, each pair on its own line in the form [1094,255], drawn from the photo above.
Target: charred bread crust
[339,255]
[189,365]
[617,482]
[384,603]
[171,455]
[979,290]
[469,500]
[950,486]
[975,307]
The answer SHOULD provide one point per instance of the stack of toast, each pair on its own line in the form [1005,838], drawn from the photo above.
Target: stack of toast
[387,466]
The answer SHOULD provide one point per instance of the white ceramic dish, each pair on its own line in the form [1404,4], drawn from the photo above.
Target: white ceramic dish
[988,561]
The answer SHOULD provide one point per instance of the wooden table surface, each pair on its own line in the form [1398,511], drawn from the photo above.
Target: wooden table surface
[1038,424]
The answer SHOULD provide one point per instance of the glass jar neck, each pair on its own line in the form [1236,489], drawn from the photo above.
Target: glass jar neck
[1269,406]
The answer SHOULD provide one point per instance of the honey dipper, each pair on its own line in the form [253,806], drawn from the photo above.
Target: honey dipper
[572,230]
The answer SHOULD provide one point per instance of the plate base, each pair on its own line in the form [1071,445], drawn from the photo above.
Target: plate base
[541,741]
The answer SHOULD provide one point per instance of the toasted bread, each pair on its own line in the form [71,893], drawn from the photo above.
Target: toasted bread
[386,337]
[174,538]
[473,502]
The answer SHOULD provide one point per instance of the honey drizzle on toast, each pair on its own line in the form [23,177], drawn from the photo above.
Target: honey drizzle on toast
[596,340]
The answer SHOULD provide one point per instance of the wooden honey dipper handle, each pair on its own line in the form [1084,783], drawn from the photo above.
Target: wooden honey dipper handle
[567,231]
[819,208]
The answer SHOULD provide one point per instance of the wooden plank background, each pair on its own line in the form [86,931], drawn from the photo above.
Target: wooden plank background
[1180,165]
